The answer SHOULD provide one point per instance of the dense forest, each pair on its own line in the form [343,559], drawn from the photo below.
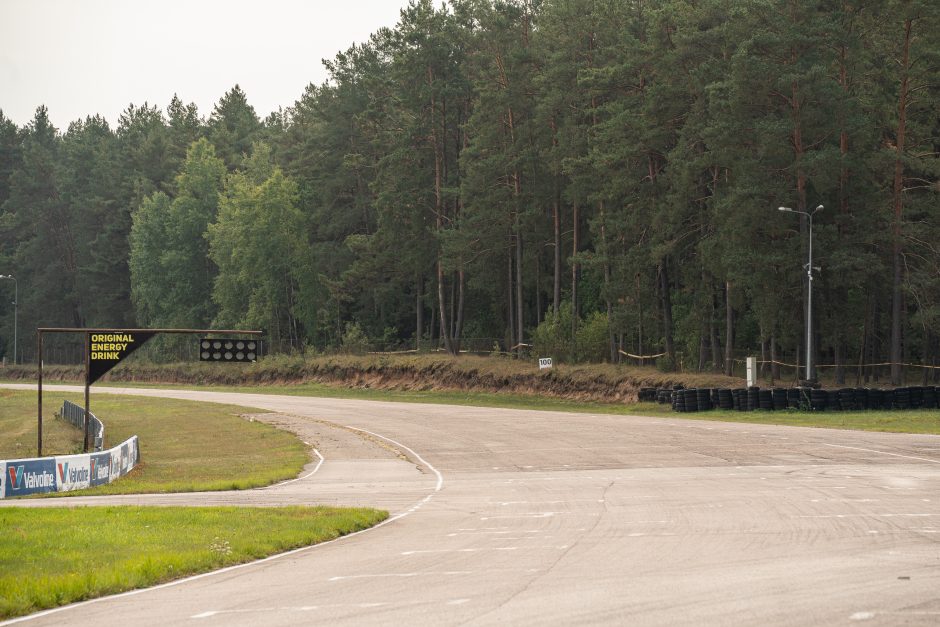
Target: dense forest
[598,178]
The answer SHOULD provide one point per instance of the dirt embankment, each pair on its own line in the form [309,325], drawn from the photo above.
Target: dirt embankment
[597,382]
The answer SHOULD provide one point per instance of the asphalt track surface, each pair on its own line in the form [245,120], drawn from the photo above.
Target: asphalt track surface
[509,517]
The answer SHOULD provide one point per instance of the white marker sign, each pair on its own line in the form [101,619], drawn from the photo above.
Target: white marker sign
[545,362]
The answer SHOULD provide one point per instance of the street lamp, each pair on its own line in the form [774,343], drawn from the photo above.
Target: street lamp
[16,302]
[809,290]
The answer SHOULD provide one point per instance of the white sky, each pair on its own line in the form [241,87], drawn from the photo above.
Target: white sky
[81,57]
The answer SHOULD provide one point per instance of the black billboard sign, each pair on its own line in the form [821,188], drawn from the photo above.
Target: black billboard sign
[107,349]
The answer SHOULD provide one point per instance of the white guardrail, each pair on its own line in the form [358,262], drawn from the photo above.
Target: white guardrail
[63,473]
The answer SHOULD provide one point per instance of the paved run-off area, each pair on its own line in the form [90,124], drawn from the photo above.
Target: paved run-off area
[529,518]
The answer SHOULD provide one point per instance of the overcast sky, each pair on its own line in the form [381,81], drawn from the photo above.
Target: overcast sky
[81,57]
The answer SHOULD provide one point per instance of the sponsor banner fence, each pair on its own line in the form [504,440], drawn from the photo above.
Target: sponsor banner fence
[75,414]
[67,472]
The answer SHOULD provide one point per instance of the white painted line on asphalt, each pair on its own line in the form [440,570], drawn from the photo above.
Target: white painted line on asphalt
[468,532]
[448,573]
[869,516]
[306,476]
[541,515]
[480,550]
[271,558]
[870,450]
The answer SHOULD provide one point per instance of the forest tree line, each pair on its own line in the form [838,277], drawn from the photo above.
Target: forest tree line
[600,177]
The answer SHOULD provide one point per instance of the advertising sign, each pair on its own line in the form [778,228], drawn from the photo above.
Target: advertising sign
[73,472]
[106,350]
[100,468]
[30,476]
[3,476]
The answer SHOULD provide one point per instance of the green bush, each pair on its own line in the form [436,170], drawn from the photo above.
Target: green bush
[355,341]
[593,339]
[552,338]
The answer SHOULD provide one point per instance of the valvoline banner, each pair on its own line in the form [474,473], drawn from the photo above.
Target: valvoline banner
[30,476]
[20,477]
[107,349]
[73,472]
[100,468]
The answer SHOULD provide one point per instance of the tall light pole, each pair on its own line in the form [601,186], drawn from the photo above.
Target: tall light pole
[809,290]
[16,302]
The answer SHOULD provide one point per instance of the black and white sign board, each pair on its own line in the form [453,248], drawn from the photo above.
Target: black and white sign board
[545,362]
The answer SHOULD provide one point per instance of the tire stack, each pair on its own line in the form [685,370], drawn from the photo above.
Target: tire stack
[753,398]
[740,399]
[794,398]
[818,400]
[725,399]
[765,400]
[845,400]
[703,398]
[647,395]
[902,398]
[779,396]
[875,399]
[930,398]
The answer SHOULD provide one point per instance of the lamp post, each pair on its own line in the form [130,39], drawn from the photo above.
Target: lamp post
[16,302]
[809,290]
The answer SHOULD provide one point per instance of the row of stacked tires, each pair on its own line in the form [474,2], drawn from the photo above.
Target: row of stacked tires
[756,398]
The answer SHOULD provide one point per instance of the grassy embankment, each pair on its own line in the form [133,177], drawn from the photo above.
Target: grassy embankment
[51,557]
[487,382]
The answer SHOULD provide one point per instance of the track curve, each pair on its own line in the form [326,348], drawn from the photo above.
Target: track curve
[555,518]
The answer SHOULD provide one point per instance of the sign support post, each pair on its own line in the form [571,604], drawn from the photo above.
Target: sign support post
[87,388]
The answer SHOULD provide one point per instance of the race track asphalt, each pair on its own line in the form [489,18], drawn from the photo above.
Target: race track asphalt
[509,517]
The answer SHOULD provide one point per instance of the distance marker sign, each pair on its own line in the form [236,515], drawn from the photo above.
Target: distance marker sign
[106,350]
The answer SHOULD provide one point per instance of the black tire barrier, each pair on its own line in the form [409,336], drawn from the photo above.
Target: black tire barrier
[818,400]
[725,399]
[765,400]
[930,397]
[803,398]
[703,399]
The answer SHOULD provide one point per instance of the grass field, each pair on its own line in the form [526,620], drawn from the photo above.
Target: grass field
[52,557]
[180,443]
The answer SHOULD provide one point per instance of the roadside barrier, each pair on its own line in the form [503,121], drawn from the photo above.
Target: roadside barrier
[75,414]
[779,399]
[64,473]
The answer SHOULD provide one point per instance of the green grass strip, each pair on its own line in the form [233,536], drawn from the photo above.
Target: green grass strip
[185,446]
[51,556]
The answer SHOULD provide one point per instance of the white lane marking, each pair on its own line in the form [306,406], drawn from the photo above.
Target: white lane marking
[458,601]
[440,477]
[862,616]
[649,535]
[495,548]
[270,558]
[300,608]
[309,474]
[449,573]
[561,547]
[870,450]
[438,573]
[468,532]
[541,515]
[869,516]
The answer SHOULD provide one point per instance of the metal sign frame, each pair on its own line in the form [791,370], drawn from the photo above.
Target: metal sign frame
[88,332]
